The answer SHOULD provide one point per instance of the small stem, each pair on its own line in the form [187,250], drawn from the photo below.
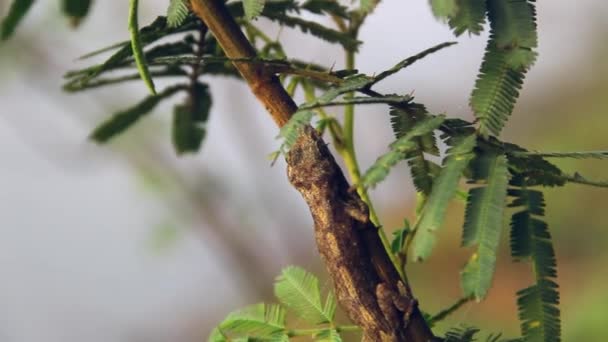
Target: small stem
[450,310]
[312,331]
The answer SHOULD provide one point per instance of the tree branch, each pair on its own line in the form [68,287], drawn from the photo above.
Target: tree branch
[367,284]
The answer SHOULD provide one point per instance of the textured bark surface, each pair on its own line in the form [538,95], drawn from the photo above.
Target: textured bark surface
[367,285]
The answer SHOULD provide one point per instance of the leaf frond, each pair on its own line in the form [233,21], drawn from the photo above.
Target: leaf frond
[469,17]
[531,240]
[299,291]
[259,321]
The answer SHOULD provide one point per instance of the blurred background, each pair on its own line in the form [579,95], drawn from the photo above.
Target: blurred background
[127,242]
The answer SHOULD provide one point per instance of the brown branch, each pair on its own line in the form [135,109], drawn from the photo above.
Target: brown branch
[366,282]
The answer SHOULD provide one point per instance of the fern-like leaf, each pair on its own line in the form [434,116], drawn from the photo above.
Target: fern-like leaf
[399,150]
[299,291]
[496,91]
[469,17]
[509,54]
[531,240]
[483,223]
[122,120]
[253,8]
[16,12]
[443,190]
[177,12]
[137,46]
[259,321]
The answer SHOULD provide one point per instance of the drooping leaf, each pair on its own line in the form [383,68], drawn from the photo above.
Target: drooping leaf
[483,222]
[16,12]
[469,17]
[76,10]
[137,46]
[122,120]
[253,8]
[189,120]
[177,12]
[299,291]
[531,241]
[399,150]
[259,321]
[443,191]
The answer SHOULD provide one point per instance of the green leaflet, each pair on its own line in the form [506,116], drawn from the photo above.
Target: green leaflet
[470,17]
[76,9]
[513,23]
[177,12]
[483,222]
[423,171]
[259,321]
[188,120]
[253,8]
[443,9]
[299,291]
[122,120]
[16,12]
[531,240]
[399,150]
[137,46]
[367,6]
[496,90]
[443,190]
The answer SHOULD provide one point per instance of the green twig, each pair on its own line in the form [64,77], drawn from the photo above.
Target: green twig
[136,45]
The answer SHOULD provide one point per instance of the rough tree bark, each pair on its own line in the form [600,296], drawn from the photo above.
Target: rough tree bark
[367,284]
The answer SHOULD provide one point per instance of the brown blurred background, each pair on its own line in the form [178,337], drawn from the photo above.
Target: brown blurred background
[128,243]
